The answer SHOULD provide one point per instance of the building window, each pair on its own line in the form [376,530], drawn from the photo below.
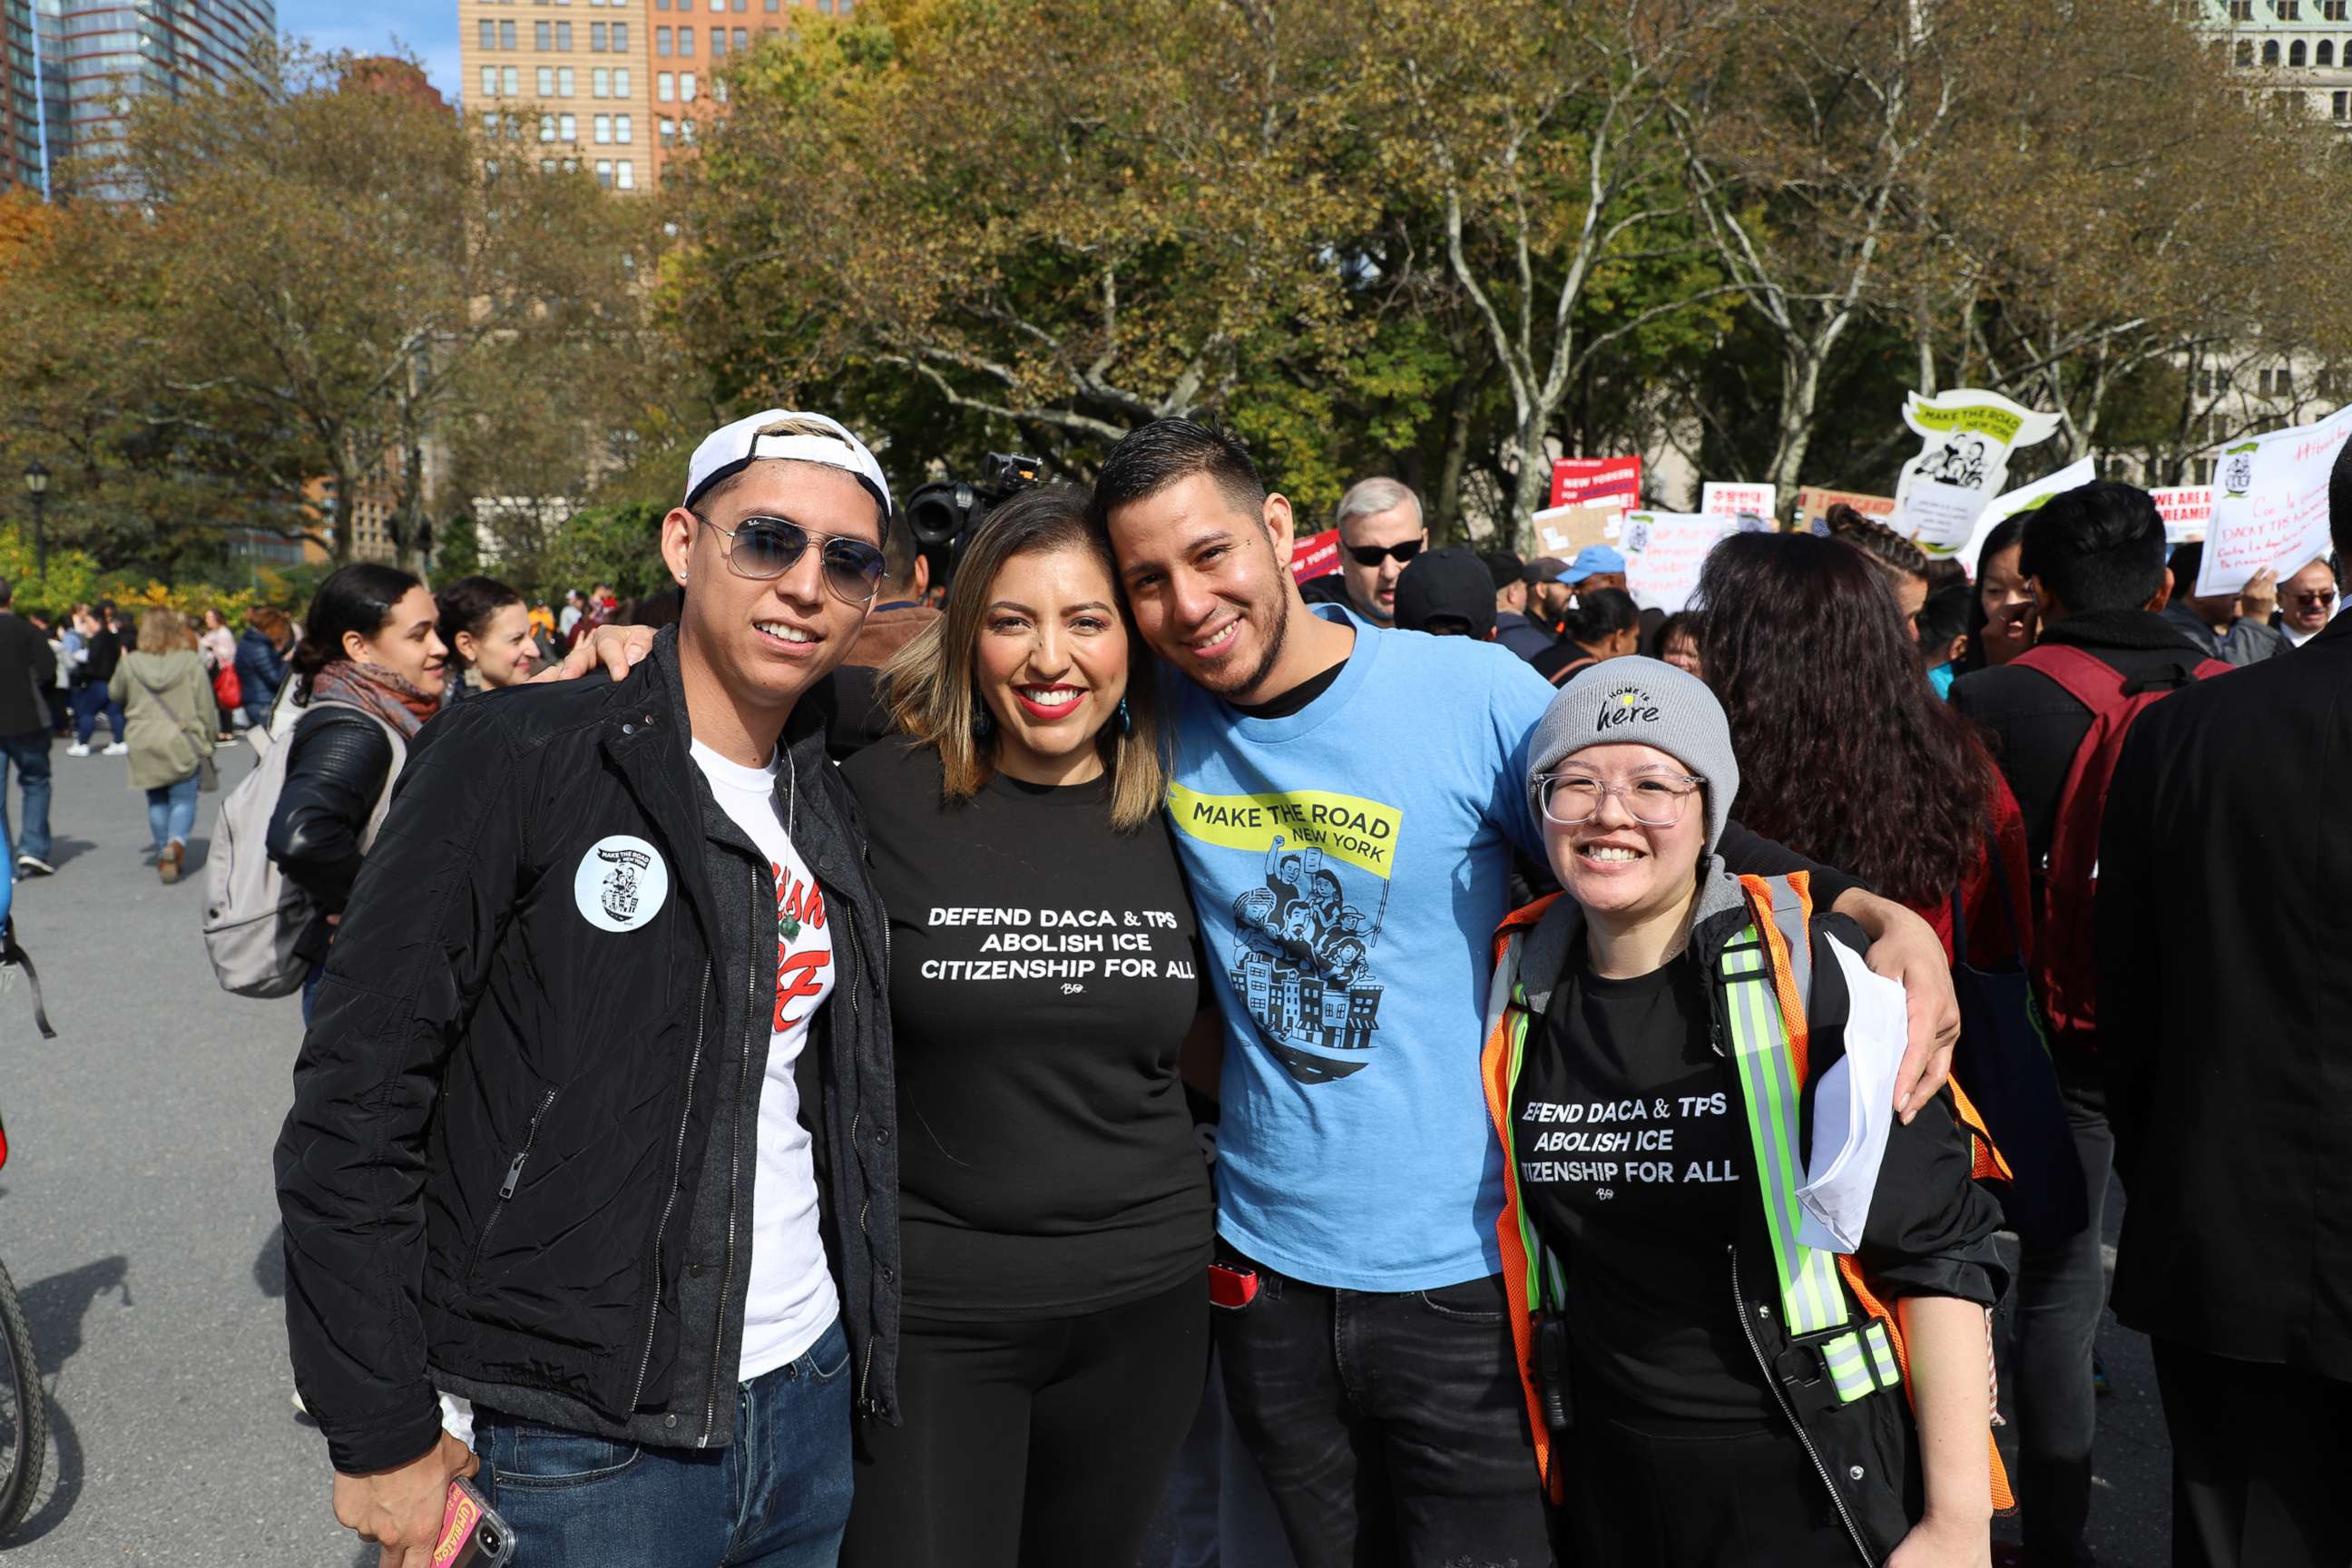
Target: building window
[624,175]
[621,81]
[490,34]
[664,88]
[2296,55]
[2340,105]
[547,81]
[2241,10]
[490,81]
[2288,10]
[666,129]
[602,128]
[2204,470]
[547,128]
[2333,10]
[621,37]
[595,37]
[563,81]
[543,35]
[2271,53]
[567,127]
[741,40]
[491,123]
[825,6]
[686,40]
[2325,54]
[563,37]
[717,41]
[600,84]
[604,173]
[622,131]
[768,6]
[686,89]
[511,80]
[661,41]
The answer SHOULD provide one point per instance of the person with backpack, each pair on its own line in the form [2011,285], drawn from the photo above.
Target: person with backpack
[371,668]
[1704,1386]
[162,689]
[2094,559]
[2224,984]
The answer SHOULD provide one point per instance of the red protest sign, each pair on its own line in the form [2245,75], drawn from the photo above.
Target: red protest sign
[1317,556]
[1597,481]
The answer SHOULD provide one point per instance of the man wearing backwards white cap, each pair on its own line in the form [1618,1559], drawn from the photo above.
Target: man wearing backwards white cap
[594,1124]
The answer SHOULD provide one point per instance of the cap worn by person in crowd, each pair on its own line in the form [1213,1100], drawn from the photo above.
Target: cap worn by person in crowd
[1594,558]
[731,448]
[1448,585]
[1504,567]
[1646,702]
[1545,569]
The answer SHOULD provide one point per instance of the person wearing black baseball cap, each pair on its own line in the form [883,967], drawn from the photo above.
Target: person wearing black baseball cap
[1447,592]
[1515,629]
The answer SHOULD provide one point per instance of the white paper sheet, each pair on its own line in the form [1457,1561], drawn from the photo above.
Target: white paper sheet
[1853,1109]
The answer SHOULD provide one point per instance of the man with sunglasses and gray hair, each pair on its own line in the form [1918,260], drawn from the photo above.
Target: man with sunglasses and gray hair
[593,1128]
[1381,529]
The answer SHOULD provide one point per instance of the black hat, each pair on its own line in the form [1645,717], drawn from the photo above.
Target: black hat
[1442,585]
[1503,567]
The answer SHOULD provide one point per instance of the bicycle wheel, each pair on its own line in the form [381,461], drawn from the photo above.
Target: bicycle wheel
[24,1412]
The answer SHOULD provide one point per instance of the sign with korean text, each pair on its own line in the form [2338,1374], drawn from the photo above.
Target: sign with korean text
[1738,501]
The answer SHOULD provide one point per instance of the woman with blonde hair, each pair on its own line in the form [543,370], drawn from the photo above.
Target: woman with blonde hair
[1055,1212]
[168,710]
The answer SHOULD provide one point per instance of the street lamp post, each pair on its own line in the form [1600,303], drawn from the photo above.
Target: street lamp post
[36,484]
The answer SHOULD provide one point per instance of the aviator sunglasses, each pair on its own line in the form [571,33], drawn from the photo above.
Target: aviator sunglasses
[1374,554]
[768,547]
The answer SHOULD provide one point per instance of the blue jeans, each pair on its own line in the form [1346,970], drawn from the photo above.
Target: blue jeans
[30,754]
[778,1497]
[171,811]
[91,700]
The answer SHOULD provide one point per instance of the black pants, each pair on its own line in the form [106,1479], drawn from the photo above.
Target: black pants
[1039,1444]
[1391,1427]
[2259,1453]
[2062,1293]
[1653,1497]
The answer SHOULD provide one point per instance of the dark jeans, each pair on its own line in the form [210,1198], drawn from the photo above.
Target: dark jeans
[1681,1495]
[1038,1443]
[2258,1454]
[29,753]
[775,1497]
[2062,1293]
[90,701]
[1391,1427]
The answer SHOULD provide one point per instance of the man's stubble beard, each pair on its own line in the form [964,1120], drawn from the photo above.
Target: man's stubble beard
[1276,633]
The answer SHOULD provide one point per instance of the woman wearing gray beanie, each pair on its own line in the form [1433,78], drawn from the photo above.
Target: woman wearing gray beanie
[1704,1388]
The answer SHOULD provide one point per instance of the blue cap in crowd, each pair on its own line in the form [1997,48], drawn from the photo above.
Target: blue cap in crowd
[1593,558]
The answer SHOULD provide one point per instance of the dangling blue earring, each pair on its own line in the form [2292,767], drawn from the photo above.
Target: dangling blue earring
[1126,719]
[982,721]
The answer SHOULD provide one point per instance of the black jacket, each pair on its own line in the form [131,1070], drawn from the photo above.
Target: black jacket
[333,776]
[2225,999]
[519,1161]
[260,671]
[105,652]
[28,673]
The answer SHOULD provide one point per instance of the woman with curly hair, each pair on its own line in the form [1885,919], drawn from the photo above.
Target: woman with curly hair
[1846,754]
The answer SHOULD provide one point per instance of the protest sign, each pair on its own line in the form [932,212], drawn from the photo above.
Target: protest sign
[2185,509]
[1813,507]
[2025,497]
[1967,437]
[1738,501]
[1562,530]
[1596,481]
[1664,550]
[2270,504]
[1314,556]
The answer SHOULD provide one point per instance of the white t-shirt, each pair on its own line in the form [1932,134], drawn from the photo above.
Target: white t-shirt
[791,1300]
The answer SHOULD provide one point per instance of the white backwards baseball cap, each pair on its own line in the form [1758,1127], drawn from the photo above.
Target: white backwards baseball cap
[731,448]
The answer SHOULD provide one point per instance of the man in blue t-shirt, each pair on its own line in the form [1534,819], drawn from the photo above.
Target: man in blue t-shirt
[1346,806]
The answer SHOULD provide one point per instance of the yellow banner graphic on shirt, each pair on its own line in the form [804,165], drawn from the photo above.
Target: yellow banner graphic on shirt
[1363,833]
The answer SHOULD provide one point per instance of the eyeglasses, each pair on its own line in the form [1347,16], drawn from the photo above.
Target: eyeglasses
[1655,800]
[1374,554]
[768,547]
[2315,596]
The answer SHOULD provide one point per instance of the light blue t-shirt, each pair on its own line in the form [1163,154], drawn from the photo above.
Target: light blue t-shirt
[1350,864]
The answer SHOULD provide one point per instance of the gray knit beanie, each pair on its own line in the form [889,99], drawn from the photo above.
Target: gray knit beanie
[1651,703]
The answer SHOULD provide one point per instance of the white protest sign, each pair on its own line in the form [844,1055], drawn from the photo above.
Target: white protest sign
[1664,550]
[2185,510]
[2270,504]
[1737,501]
[1967,437]
[2025,497]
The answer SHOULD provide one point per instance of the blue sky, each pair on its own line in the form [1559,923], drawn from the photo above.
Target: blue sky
[427,28]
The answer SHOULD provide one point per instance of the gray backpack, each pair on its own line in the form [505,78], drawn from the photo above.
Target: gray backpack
[253,915]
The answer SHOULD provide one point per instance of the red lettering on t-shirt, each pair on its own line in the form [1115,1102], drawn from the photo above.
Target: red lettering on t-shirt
[800,975]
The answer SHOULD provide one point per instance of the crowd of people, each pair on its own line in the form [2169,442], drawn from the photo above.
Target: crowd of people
[1339,1061]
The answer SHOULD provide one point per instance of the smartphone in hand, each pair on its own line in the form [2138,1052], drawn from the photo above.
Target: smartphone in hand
[472,1535]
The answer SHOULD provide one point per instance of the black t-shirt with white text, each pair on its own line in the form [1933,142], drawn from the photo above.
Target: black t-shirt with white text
[1044,970]
[1626,1129]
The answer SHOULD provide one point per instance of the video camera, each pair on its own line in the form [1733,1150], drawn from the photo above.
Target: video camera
[942,514]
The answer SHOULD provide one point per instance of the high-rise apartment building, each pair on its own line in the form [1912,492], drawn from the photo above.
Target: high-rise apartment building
[68,67]
[2301,49]
[615,89]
